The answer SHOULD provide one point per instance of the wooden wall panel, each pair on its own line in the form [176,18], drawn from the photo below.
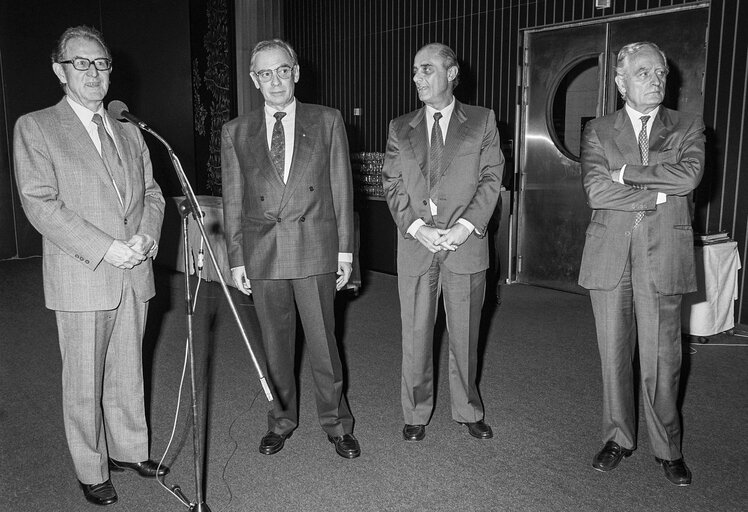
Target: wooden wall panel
[358,53]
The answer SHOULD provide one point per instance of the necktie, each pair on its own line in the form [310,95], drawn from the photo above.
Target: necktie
[435,156]
[110,157]
[644,153]
[278,144]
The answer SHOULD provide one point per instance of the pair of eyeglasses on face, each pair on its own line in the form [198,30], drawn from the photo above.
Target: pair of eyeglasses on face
[283,72]
[84,64]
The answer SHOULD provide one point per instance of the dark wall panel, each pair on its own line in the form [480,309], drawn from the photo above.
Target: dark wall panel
[723,194]
[358,53]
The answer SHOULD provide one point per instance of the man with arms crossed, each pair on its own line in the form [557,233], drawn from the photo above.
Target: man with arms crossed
[640,166]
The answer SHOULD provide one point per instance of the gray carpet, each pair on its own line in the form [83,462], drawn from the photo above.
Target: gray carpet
[540,384]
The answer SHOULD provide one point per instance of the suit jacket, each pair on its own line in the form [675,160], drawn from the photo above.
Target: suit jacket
[69,198]
[469,188]
[676,164]
[292,230]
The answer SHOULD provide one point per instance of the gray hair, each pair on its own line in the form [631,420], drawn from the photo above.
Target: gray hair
[271,44]
[83,32]
[631,49]
[449,56]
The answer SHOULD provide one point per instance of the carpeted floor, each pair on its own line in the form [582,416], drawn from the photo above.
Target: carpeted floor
[540,385]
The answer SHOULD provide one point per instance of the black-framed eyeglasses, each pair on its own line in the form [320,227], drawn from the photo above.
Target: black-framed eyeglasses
[84,64]
[283,72]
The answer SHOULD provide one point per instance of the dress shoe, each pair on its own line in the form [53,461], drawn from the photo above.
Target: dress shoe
[273,443]
[100,494]
[479,430]
[346,445]
[414,432]
[610,456]
[147,468]
[676,471]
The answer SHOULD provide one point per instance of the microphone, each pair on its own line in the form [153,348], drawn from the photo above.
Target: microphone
[118,110]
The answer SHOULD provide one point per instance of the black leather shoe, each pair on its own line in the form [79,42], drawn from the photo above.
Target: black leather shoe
[610,456]
[273,443]
[100,494]
[479,430]
[147,468]
[676,471]
[414,432]
[346,446]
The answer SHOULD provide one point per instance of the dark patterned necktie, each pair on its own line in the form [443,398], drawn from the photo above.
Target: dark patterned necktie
[278,144]
[435,156]
[644,154]
[110,157]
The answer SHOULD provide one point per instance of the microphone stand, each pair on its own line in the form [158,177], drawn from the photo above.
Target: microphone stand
[188,207]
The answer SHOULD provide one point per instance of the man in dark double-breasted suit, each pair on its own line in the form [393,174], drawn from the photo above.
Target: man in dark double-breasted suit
[442,176]
[639,168]
[288,214]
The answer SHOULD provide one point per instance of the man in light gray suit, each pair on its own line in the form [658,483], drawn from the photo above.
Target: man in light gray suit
[86,185]
[640,166]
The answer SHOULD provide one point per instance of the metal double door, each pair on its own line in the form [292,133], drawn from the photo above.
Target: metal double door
[568,79]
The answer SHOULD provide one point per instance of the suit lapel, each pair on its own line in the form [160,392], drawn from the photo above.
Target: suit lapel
[418,141]
[304,143]
[661,126]
[455,135]
[258,146]
[625,137]
[82,144]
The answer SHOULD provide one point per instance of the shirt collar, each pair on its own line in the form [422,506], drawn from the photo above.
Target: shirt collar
[289,109]
[634,115]
[446,111]
[84,114]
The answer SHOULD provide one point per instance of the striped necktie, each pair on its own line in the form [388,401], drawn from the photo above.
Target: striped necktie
[435,156]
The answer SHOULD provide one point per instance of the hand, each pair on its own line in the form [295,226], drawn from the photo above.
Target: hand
[453,237]
[616,176]
[121,255]
[344,274]
[240,280]
[427,236]
[144,244]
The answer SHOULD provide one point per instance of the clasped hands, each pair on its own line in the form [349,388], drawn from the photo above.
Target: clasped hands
[130,253]
[239,276]
[435,239]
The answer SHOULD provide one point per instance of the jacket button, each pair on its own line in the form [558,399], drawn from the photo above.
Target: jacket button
[87,262]
[424,202]
[262,198]
[125,222]
[278,219]
[302,219]
[311,189]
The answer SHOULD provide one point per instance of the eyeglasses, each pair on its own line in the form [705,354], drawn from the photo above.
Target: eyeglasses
[84,64]
[282,72]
